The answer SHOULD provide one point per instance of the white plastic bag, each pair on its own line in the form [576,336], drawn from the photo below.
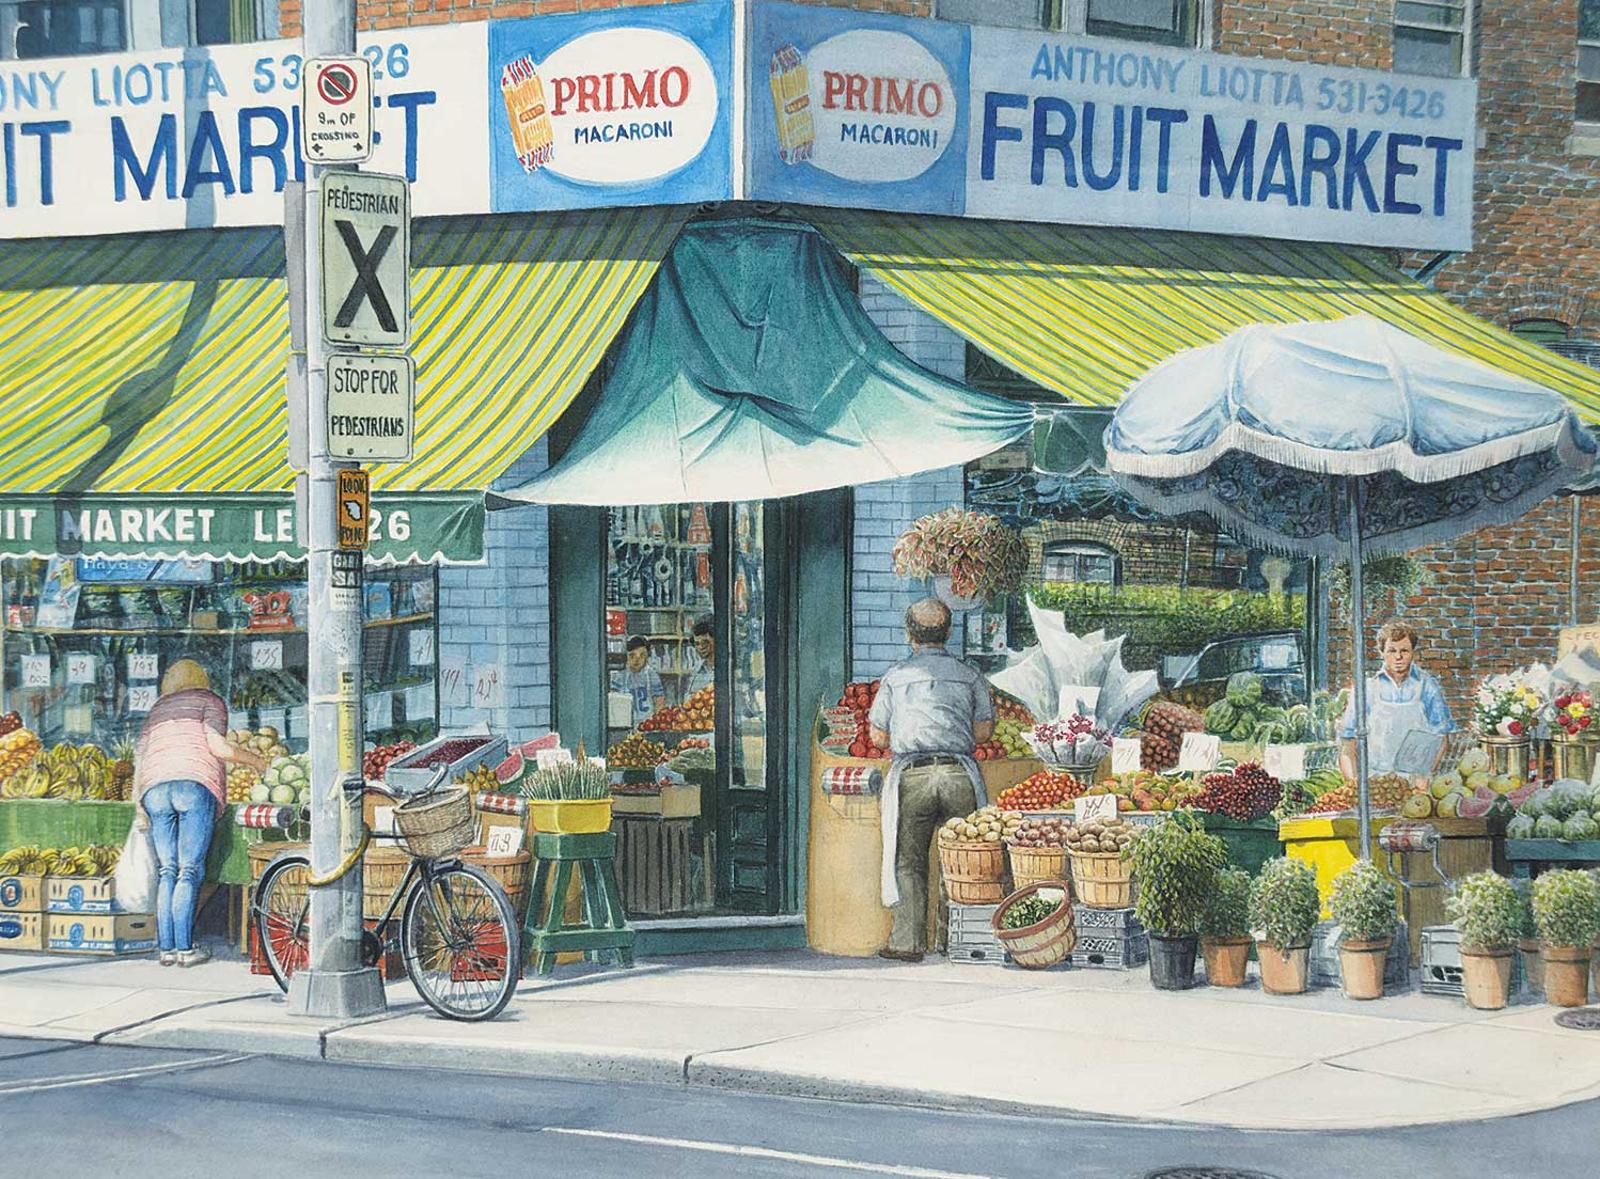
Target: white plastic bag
[136,873]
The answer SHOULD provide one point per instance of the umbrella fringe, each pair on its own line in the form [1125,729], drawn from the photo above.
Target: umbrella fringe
[1563,434]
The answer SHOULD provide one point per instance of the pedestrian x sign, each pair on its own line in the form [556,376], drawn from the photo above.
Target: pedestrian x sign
[366,259]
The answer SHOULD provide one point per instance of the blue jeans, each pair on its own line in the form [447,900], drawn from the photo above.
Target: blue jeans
[182,817]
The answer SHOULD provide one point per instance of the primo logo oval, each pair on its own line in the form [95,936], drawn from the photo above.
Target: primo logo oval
[75,896]
[10,891]
[10,928]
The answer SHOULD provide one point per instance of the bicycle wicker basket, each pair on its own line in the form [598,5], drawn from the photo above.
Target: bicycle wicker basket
[436,824]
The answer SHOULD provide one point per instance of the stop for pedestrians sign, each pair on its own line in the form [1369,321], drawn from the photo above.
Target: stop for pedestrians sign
[336,110]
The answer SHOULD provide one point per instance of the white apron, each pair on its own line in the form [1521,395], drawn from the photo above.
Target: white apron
[891,813]
[1387,726]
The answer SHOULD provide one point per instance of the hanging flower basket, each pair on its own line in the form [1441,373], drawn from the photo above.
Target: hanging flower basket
[969,556]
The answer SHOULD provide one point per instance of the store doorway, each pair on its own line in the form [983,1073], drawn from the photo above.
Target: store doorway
[695,613]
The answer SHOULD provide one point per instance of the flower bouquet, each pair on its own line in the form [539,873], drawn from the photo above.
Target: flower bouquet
[1572,711]
[1075,743]
[1507,708]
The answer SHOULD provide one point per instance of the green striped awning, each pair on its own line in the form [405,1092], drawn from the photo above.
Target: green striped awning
[1087,312]
[144,372]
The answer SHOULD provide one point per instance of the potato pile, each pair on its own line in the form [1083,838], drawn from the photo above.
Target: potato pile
[989,824]
[1101,835]
[1048,832]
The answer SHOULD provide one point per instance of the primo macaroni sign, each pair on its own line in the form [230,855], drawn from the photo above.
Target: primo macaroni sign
[639,106]
[889,113]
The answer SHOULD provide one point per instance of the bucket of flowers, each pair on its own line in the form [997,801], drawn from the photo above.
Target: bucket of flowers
[1504,716]
[1575,740]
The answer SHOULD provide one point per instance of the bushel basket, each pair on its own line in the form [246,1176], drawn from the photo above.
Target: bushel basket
[1036,865]
[437,824]
[1045,943]
[974,871]
[1102,880]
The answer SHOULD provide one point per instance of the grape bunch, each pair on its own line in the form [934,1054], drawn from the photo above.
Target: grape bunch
[1245,794]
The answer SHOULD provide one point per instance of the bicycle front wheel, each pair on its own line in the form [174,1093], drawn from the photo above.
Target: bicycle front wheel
[461,944]
[282,912]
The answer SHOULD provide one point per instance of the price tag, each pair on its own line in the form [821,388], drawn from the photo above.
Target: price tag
[453,684]
[1199,753]
[1094,806]
[504,841]
[144,667]
[421,641]
[143,697]
[1125,755]
[266,655]
[383,819]
[36,671]
[545,758]
[1287,763]
[80,669]
[380,711]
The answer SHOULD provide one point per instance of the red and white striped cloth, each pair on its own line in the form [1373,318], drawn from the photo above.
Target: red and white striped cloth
[503,804]
[263,816]
[852,780]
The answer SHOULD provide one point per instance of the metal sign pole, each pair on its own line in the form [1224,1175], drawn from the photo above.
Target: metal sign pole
[336,983]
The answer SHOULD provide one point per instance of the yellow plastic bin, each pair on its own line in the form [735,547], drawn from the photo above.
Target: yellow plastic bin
[1330,845]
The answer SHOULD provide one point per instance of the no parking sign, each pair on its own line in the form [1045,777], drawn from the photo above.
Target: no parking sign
[336,106]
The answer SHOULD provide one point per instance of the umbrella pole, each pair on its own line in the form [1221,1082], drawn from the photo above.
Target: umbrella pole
[1358,637]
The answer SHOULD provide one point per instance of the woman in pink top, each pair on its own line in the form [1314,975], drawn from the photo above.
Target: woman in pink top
[180,784]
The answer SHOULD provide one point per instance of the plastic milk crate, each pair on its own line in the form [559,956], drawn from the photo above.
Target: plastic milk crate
[1441,963]
[972,936]
[1325,969]
[1109,939]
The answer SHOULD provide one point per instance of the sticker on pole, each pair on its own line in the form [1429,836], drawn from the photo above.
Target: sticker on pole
[370,399]
[336,98]
[366,259]
[354,502]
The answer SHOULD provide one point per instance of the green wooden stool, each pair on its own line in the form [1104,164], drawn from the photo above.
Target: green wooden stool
[604,931]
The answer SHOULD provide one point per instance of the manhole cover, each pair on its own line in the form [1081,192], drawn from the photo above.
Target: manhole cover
[1583,1019]
[1206,1173]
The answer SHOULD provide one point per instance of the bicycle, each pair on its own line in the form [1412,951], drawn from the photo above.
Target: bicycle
[457,932]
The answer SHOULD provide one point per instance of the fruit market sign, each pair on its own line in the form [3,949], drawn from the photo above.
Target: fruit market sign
[628,107]
[1087,130]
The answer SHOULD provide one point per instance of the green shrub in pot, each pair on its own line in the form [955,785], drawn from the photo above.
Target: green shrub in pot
[1225,929]
[1175,866]
[1490,915]
[1566,908]
[1284,907]
[1364,903]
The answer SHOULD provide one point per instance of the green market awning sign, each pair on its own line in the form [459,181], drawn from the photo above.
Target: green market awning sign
[229,528]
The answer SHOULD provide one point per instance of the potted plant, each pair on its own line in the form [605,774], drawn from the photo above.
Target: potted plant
[1566,908]
[1364,904]
[1488,914]
[1225,929]
[1284,907]
[569,798]
[969,556]
[1175,865]
[1528,938]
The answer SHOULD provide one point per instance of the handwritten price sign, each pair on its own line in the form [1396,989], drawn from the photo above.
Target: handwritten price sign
[144,667]
[36,671]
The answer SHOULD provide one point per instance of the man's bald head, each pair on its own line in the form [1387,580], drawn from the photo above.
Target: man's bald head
[928,623]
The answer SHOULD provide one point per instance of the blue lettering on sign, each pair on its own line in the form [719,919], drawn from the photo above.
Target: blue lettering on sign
[125,160]
[250,150]
[207,141]
[75,934]
[10,927]
[1277,175]
[1355,169]
[1242,168]
[75,896]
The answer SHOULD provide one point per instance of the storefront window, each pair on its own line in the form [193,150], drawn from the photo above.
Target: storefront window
[1431,38]
[60,28]
[225,22]
[87,640]
[1088,563]
[1166,22]
[1588,109]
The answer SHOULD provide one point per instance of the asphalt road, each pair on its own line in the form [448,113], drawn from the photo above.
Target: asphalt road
[115,1111]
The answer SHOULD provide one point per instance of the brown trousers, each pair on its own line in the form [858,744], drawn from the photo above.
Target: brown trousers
[928,796]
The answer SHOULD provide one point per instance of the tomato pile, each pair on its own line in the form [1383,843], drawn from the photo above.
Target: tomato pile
[858,699]
[1244,795]
[1040,792]
[376,761]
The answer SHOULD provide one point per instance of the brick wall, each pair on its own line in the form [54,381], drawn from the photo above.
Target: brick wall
[494,622]
[397,14]
[1330,32]
[884,510]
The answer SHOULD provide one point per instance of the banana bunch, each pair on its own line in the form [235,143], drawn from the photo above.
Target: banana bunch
[18,748]
[23,861]
[33,782]
[73,772]
[94,860]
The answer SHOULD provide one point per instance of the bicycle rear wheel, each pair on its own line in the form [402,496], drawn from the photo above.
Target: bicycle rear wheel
[282,913]
[461,943]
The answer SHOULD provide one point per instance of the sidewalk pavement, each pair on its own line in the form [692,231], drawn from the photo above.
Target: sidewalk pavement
[1064,1043]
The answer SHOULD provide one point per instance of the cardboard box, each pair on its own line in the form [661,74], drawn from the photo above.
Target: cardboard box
[99,933]
[21,931]
[80,894]
[21,894]
[670,802]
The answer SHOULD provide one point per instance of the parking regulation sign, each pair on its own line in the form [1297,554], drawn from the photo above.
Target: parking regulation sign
[336,101]
[366,259]
[370,398]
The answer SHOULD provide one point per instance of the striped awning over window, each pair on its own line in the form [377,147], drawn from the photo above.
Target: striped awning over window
[143,376]
[1087,312]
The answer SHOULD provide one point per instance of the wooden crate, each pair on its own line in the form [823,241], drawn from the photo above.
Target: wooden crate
[655,865]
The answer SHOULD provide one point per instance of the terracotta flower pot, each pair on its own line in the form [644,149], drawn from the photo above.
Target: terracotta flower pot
[1361,964]
[1486,975]
[1566,975]
[1284,970]
[1532,963]
[1226,959]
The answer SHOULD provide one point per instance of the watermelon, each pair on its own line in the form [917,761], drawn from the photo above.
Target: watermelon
[510,771]
[1475,807]
[548,741]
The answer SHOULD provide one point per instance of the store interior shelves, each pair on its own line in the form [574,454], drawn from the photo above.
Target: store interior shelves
[220,632]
